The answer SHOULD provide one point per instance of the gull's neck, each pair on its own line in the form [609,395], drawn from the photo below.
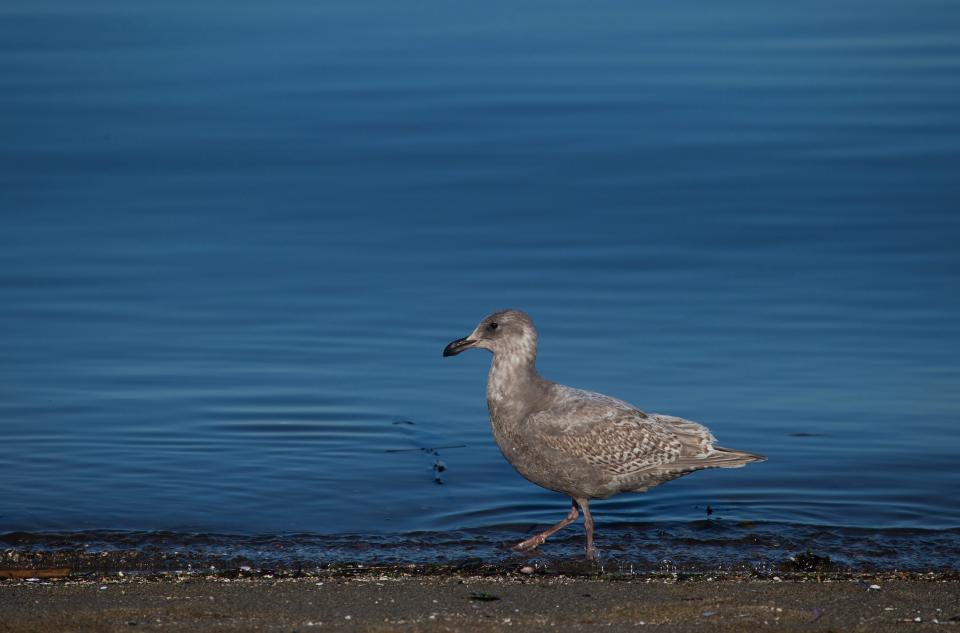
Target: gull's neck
[513,383]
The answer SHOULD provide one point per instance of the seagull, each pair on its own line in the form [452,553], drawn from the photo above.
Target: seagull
[579,443]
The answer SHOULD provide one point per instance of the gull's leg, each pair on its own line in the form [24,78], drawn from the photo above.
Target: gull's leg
[588,524]
[536,541]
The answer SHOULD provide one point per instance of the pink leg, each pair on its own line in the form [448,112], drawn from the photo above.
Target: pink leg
[536,541]
[588,524]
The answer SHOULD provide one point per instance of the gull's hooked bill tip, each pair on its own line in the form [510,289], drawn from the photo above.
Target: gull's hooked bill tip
[457,346]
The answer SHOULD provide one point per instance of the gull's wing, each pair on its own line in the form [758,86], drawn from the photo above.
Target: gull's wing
[637,450]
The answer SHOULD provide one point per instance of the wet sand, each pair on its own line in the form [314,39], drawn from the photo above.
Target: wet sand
[376,601]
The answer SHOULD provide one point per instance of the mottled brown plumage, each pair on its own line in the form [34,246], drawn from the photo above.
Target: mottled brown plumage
[580,443]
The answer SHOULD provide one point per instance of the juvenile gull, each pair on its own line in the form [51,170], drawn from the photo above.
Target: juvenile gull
[580,443]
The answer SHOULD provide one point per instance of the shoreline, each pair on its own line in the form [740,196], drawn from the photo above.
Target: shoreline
[704,545]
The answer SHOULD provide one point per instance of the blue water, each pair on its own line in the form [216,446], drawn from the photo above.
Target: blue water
[235,237]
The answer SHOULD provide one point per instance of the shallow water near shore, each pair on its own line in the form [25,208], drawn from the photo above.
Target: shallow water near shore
[759,550]
[235,240]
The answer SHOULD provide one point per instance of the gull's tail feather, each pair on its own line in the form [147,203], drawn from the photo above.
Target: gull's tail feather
[730,458]
[718,457]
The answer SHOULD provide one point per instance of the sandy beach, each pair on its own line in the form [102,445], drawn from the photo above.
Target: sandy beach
[387,601]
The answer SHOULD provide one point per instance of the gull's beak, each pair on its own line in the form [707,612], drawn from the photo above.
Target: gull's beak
[458,346]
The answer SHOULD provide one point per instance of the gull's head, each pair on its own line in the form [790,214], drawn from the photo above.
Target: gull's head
[505,332]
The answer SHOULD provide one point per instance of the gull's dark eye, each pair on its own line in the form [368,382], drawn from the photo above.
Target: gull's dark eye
[493,325]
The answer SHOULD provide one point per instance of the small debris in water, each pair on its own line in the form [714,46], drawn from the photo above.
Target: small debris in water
[875,587]
[438,467]
[483,596]
[425,449]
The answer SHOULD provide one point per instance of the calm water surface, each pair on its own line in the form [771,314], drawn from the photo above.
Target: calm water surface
[235,238]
